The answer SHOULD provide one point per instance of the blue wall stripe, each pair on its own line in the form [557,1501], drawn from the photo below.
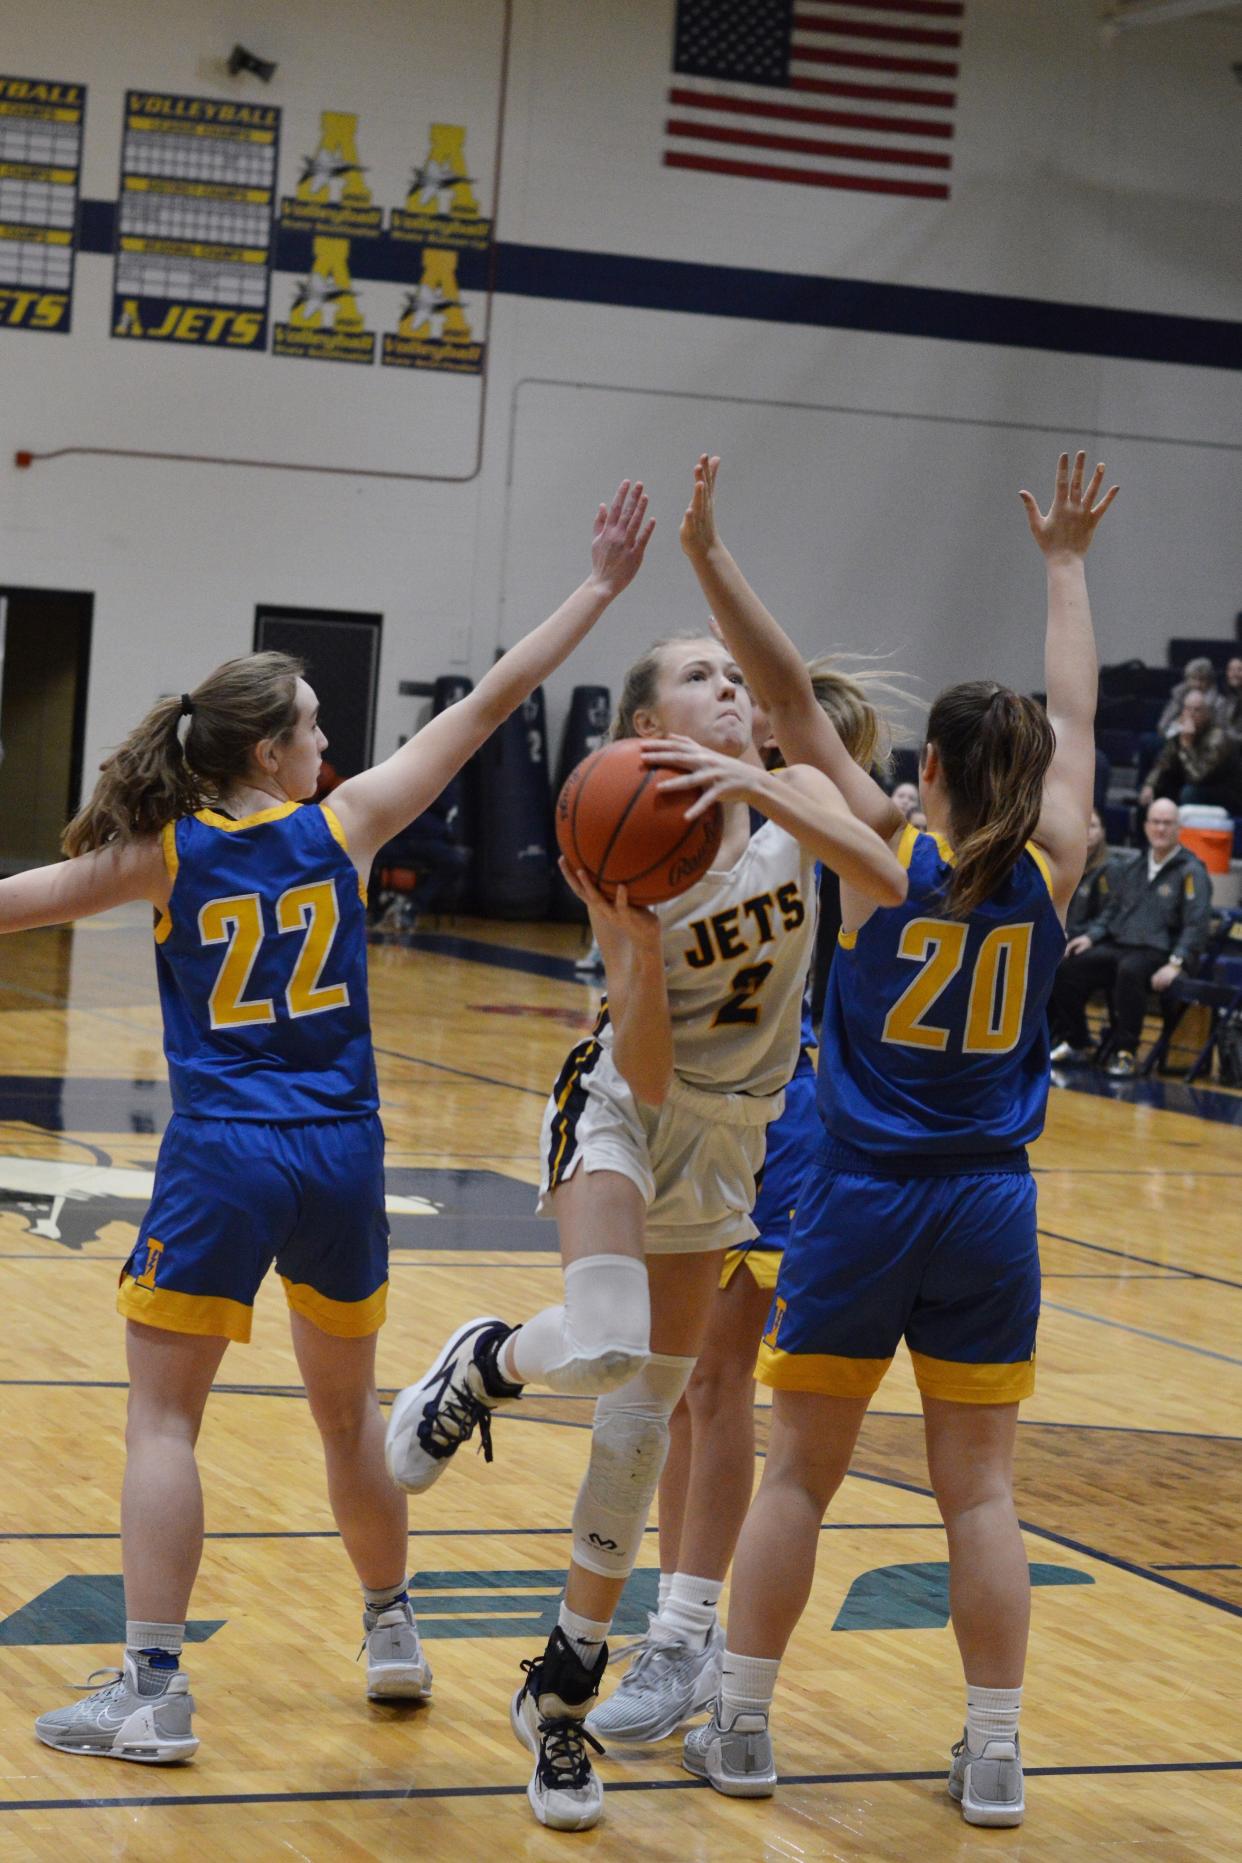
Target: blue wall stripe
[625,279]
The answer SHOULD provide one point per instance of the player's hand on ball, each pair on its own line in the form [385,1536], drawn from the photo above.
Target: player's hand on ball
[716,776]
[638,925]
[698,526]
[622,533]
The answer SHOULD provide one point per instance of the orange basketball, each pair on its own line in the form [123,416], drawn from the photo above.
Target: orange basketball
[614,822]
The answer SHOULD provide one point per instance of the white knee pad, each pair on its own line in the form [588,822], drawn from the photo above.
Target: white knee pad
[598,1339]
[629,1441]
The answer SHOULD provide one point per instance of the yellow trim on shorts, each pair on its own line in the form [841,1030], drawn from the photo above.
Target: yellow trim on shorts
[184,1313]
[764,1265]
[958,1383]
[1040,860]
[344,1319]
[821,1372]
[338,835]
[172,863]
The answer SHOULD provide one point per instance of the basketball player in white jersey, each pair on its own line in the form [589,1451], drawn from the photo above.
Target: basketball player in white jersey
[651,1142]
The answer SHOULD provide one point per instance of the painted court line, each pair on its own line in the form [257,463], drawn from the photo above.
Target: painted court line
[396,1794]
[1141,1332]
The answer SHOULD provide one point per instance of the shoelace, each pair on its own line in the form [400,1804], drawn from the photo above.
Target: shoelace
[455,1421]
[92,1681]
[563,1758]
[644,1655]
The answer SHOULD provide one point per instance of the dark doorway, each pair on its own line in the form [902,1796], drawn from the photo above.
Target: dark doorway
[45,640]
[342,654]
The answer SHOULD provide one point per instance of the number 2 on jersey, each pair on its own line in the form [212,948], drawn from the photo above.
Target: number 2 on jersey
[997,987]
[238,923]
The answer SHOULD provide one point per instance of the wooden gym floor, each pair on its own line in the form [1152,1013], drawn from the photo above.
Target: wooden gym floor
[1130,1481]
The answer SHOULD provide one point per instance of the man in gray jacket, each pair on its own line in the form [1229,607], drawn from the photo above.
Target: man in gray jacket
[1154,922]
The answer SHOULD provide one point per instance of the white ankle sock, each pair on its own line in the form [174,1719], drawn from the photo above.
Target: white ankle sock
[991,1714]
[142,1636]
[585,1634]
[747,1683]
[666,1585]
[690,1607]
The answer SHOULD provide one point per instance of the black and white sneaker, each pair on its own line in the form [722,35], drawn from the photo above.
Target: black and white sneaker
[430,1420]
[547,1715]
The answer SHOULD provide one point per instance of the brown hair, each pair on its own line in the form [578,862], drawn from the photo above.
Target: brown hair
[155,776]
[995,748]
[638,690]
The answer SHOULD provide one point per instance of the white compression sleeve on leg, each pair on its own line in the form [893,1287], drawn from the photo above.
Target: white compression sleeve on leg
[598,1339]
[629,1441]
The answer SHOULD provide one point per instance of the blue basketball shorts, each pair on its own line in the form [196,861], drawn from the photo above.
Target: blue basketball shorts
[232,1196]
[793,1141]
[950,1263]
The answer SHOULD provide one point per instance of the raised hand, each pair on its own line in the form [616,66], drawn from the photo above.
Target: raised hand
[698,526]
[620,539]
[1068,526]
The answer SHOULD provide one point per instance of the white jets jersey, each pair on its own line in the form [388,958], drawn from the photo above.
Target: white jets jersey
[737,948]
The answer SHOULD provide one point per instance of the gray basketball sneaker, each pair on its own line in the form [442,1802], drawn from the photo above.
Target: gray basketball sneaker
[666,1685]
[734,1755]
[128,1719]
[397,1667]
[988,1785]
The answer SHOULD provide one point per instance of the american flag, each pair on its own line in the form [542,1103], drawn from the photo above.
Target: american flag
[818,93]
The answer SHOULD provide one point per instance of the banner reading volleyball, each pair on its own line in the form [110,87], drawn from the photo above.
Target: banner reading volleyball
[40,161]
[194,221]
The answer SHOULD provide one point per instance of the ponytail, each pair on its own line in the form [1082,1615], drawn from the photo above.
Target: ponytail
[994,747]
[163,771]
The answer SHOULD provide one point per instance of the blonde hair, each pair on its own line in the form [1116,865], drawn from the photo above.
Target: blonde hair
[153,777]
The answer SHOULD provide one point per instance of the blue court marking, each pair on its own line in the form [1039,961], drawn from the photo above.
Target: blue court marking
[389,1794]
[472,1533]
[915,1595]
[85,1607]
[1149,1573]
[1141,1332]
[460,1073]
[1147,1261]
[1160,1566]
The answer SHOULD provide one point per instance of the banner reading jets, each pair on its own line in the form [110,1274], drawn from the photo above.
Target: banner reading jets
[40,162]
[435,330]
[194,221]
[442,208]
[325,321]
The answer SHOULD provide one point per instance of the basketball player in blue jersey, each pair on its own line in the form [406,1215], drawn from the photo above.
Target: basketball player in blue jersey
[917,1218]
[275,1150]
[674,1669]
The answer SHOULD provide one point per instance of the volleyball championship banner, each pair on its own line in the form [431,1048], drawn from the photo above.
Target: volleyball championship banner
[194,221]
[40,165]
